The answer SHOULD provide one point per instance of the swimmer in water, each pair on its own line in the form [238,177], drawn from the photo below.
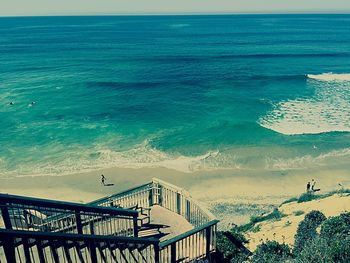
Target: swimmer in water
[32,104]
[11,103]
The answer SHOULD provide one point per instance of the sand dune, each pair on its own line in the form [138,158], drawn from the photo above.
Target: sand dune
[284,230]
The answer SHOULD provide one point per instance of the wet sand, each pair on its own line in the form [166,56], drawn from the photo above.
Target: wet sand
[230,194]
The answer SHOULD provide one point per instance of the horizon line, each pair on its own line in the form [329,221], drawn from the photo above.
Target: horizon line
[73,14]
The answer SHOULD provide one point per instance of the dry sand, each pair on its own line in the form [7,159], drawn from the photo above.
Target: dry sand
[285,229]
[233,195]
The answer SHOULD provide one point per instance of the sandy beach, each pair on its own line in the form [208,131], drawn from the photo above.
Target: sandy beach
[284,230]
[232,195]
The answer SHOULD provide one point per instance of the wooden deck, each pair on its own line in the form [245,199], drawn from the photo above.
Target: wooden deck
[165,224]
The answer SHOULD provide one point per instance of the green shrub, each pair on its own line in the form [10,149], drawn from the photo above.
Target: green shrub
[333,243]
[315,217]
[336,227]
[228,250]
[307,197]
[225,247]
[307,230]
[325,251]
[340,249]
[274,215]
[340,192]
[316,251]
[290,200]
[271,252]
[299,213]
[256,228]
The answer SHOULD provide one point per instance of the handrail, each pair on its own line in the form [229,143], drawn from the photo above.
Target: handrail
[29,246]
[128,191]
[27,213]
[187,234]
[75,237]
[88,220]
[31,201]
[185,194]
[175,187]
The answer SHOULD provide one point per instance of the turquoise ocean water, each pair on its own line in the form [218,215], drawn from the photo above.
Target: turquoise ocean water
[189,93]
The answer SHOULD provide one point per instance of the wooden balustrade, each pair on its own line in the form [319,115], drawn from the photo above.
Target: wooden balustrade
[31,246]
[24,213]
[195,244]
[179,201]
[66,229]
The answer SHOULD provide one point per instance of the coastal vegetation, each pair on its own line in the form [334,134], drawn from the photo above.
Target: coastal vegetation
[306,197]
[317,238]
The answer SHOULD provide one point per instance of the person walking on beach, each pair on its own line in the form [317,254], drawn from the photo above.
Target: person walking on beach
[308,185]
[313,186]
[103,179]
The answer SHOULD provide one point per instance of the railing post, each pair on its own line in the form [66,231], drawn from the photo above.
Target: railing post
[178,203]
[6,217]
[54,252]
[9,249]
[91,225]
[39,247]
[160,200]
[173,253]
[208,241]
[78,221]
[26,250]
[134,220]
[156,253]
[92,249]
[151,194]
[188,211]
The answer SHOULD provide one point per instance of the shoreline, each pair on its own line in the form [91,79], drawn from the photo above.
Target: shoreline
[232,195]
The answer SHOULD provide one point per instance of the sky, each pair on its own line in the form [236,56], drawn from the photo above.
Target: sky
[80,7]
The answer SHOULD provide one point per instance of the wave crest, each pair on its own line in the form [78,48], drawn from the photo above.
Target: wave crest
[141,156]
[330,77]
[328,110]
[303,162]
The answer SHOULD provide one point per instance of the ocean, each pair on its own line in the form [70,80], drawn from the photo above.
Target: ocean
[190,93]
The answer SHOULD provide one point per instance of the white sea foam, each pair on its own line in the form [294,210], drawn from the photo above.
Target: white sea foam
[327,111]
[179,25]
[330,77]
[142,156]
[305,161]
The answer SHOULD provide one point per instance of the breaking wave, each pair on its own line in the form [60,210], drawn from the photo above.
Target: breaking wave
[305,161]
[141,156]
[330,77]
[328,110]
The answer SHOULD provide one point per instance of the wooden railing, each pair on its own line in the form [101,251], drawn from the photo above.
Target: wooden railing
[93,223]
[161,193]
[179,201]
[140,196]
[192,246]
[31,246]
[25,213]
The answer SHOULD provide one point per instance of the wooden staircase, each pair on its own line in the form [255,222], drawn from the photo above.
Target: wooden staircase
[117,228]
